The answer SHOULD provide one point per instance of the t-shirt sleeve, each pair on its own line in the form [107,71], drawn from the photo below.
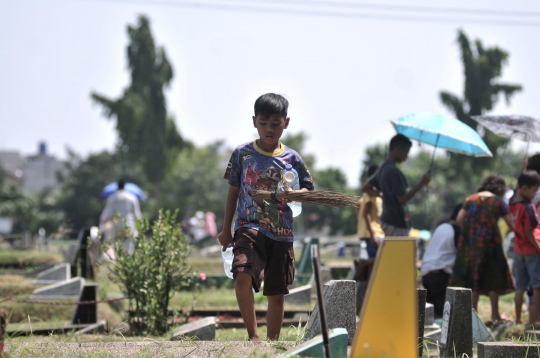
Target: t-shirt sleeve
[233,173]
[396,180]
[304,176]
[531,221]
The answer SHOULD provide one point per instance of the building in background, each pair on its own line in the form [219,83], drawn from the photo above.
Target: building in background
[40,172]
[12,164]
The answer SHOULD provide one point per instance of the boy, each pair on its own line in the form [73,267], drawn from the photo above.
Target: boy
[263,231]
[369,212]
[526,243]
[395,218]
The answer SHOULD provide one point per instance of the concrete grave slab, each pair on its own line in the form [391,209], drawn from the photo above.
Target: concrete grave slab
[456,329]
[203,330]
[479,330]
[433,336]
[340,303]
[55,274]
[314,347]
[86,314]
[70,255]
[39,270]
[65,289]
[96,328]
[299,295]
[507,350]
[429,316]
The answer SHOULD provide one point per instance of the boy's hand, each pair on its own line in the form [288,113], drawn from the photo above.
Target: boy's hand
[225,238]
[287,191]
[426,178]
[374,241]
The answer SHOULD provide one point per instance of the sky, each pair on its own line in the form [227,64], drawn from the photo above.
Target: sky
[347,67]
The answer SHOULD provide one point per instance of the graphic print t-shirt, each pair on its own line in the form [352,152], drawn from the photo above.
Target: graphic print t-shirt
[525,217]
[251,168]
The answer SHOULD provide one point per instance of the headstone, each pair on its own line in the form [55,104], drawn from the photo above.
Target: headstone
[96,328]
[340,303]
[507,350]
[479,330]
[86,313]
[304,266]
[70,256]
[65,289]
[391,297]
[299,295]
[456,330]
[429,319]
[55,274]
[39,270]
[422,295]
[314,347]
[203,330]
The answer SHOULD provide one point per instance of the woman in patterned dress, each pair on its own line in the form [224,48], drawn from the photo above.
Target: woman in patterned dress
[480,263]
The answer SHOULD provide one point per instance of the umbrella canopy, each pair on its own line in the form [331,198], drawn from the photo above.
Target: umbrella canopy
[442,132]
[523,128]
[130,187]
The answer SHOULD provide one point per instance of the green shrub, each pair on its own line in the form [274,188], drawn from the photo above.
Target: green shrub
[152,273]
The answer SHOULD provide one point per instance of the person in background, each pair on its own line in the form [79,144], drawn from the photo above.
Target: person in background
[526,243]
[480,262]
[395,217]
[438,260]
[125,205]
[369,212]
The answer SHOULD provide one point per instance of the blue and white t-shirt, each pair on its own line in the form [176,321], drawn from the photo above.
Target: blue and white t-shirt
[251,168]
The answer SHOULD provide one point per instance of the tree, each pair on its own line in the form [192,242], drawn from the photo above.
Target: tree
[482,67]
[80,191]
[148,136]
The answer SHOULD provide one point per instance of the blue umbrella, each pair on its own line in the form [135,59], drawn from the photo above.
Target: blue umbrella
[132,188]
[442,132]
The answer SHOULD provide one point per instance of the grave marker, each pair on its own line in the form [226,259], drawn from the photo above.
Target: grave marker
[340,304]
[391,297]
[203,330]
[299,295]
[85,314]
[55,274]
[456,330]
[66,289]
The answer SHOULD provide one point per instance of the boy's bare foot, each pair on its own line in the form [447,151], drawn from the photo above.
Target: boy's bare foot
[255,339]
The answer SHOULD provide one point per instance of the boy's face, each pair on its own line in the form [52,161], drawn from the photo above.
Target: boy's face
[401,154]
[528,192]
[270,130]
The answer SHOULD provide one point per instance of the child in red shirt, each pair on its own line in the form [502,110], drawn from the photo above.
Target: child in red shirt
[526,266]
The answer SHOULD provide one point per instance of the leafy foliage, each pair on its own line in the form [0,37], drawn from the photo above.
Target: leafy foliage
[148,136]
[149,277]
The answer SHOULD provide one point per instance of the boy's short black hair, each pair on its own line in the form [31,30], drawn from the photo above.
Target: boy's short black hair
[528,178]
[400,141]
[455,212]
[494,184]
[372,169]
[121,183]
[533,163]
[271,103]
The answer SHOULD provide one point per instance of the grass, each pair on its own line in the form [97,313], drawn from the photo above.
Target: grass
[25,258]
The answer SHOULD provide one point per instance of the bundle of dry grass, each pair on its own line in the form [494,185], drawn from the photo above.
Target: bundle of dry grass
[319,197]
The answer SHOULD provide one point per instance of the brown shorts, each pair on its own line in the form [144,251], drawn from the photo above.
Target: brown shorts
[262,257]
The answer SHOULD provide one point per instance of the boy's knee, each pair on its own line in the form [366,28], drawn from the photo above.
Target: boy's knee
[243,278]
[276,298]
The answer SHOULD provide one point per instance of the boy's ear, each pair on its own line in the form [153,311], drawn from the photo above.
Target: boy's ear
[287,122]
[254,119]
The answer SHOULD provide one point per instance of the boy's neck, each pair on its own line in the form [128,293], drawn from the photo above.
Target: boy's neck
[270,149]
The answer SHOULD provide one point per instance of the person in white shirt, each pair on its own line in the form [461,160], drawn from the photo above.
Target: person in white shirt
[438,261]
[126,206]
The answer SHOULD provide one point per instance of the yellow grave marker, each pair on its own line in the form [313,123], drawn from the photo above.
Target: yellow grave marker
[388,325]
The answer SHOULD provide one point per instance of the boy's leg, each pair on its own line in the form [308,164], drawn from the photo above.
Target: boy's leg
[518,299]
[274,318]
[278,274]
[248,273]
[244,295]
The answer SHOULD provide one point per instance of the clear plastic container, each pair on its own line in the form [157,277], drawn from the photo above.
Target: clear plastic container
[228,256]
[290,180]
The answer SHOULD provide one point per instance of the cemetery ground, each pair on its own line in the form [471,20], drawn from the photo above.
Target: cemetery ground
[15,281]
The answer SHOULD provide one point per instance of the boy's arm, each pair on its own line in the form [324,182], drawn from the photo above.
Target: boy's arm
[530,236]
[509,222]
[225,236]
[367,218]
[403,199]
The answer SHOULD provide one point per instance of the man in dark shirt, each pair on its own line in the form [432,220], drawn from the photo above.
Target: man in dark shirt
[392,184]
